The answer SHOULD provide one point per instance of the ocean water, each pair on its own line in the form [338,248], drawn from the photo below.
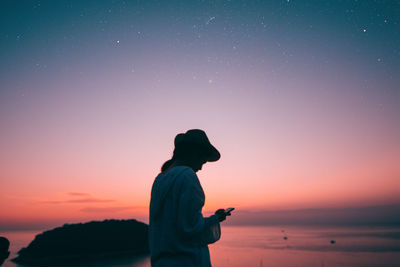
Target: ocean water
[267,246]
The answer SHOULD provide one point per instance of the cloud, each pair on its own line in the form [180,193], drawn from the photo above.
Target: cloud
[78,194]
[90,200]
[108,209]
[385,215]
[78,198]
[81,200]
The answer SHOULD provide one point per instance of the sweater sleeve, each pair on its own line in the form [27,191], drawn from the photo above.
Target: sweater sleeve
[190,222]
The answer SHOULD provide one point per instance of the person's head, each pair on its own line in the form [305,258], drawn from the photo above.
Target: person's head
[192,149]
[190,154]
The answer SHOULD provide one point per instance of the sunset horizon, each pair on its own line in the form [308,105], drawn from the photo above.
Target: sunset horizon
[300,98]
[343,214]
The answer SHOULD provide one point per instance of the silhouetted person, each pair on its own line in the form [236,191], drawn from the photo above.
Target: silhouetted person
[4,246]
[178,233]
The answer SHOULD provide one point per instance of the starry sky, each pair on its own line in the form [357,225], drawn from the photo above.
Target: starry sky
[302,98]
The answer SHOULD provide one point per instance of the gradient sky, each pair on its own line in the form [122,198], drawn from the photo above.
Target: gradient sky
[302,98]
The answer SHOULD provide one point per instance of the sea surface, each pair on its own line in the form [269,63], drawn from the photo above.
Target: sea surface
[267,246]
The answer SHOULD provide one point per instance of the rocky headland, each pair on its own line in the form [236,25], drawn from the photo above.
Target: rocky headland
[85,242]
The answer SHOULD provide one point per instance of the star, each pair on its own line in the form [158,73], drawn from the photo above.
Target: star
[209,20]
[117,41]
[364,30]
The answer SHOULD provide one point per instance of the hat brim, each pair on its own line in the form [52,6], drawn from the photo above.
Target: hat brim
[213,154]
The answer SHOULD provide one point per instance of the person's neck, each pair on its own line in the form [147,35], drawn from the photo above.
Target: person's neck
[176,163]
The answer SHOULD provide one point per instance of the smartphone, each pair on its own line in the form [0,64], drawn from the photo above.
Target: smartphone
[228,210]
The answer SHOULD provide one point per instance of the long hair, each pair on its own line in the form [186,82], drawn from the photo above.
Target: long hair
[166,164]
[186,151]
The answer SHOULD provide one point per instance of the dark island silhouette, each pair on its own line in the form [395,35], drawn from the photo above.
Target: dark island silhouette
[86,242]
[4,246]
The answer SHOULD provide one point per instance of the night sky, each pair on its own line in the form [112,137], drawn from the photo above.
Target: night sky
[302,98]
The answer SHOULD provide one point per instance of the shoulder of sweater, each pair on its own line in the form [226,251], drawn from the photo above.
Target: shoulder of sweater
[188,177]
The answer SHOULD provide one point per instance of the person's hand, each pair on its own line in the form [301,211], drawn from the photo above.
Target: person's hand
[221,215]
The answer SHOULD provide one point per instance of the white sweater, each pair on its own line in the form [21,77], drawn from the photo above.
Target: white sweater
[178,232]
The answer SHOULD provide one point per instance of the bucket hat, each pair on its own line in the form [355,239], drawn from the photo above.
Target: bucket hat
[198,138]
